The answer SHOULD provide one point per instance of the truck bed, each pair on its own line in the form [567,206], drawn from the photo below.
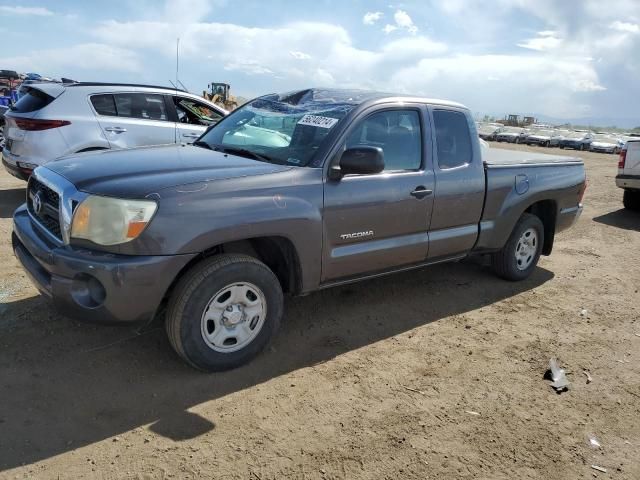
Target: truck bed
[497,157]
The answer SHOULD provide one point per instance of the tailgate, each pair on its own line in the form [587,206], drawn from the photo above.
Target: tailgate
[35,97]
[632,161]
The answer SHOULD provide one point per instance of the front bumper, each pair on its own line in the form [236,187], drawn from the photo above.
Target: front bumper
[628,182]
[603,149]
[90,285]
[15,170]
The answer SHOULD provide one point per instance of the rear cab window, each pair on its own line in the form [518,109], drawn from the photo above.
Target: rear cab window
[453,139]
[31,100]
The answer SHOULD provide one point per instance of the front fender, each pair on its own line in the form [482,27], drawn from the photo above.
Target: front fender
[195,218]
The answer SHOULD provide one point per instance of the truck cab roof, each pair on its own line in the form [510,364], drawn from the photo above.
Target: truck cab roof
[352,97]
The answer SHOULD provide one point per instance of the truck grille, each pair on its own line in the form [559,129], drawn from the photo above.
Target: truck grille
[46,207]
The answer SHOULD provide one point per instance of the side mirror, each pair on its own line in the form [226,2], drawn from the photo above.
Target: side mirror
[361,161]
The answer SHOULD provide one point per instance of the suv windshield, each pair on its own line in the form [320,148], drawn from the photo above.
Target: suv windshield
[277,129]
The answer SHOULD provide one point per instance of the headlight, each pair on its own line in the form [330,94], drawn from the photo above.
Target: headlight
[109,221]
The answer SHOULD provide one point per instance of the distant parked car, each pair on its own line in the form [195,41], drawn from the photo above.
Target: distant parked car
[511,135]
[52,120]
[577,140]
[543,137]
[606,143]
[488,131]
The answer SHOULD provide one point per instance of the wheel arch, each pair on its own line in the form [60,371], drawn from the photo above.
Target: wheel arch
[547,212]
[276,252]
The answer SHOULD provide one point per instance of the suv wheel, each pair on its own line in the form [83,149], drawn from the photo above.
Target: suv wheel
[224,311]
[631,199]
[519,257]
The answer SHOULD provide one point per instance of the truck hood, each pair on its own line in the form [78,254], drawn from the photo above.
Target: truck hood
[135,173]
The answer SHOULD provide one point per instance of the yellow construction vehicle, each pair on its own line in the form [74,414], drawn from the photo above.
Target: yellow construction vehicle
[219,94]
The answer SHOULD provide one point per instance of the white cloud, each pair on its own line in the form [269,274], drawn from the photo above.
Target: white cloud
[546,40]
[410,48]
[76,60]
[388,28]
[17,10]
[371,17]
[625,27]
[403,20]
[299,55]
[491,82]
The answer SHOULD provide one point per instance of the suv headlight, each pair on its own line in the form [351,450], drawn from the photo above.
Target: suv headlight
[110,221]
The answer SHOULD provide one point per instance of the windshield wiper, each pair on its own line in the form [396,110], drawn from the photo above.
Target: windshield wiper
[200,143]
[244,152]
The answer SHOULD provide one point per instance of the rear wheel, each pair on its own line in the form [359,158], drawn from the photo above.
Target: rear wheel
[631,199]
[520,255]
[547,144]
[224,311]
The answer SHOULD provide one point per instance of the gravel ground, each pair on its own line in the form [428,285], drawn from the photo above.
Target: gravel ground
[436,373]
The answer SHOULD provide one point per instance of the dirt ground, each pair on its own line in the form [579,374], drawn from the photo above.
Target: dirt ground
[435,373]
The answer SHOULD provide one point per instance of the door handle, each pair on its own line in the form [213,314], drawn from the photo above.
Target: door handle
[191,135]
[421,192]
[115,129]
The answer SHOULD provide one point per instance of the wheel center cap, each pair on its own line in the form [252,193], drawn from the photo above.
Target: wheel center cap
[233,315]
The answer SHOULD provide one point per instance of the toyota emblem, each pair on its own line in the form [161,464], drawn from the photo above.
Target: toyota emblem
[37,203]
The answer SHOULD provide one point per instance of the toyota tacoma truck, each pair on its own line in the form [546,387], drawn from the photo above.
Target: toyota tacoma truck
[628,177]
[289,194]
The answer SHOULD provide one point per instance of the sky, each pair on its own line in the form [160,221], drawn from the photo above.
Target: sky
[566,59]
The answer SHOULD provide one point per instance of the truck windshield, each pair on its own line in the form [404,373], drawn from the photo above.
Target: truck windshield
[275,130]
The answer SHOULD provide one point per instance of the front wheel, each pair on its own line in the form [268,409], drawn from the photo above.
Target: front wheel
[520,255]
[224,311]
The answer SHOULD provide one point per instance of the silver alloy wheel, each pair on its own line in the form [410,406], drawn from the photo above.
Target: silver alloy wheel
[233,317]
[526,249]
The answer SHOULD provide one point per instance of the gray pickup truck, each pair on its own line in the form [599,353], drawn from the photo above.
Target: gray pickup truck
[289,194]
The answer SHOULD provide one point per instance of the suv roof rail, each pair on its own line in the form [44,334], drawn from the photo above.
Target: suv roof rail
[108,84]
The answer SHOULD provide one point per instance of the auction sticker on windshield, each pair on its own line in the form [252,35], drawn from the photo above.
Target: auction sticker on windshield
[318,121]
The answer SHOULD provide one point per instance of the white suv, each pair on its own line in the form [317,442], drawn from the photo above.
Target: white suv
[52,120]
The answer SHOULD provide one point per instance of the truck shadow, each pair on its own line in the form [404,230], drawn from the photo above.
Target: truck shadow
[623,218]
[10,200]
[67,384]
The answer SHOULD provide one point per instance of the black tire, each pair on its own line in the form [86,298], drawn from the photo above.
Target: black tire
[631,200]
[193,294]
[504,262]
[547,144]
[561,146]
[582,147]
